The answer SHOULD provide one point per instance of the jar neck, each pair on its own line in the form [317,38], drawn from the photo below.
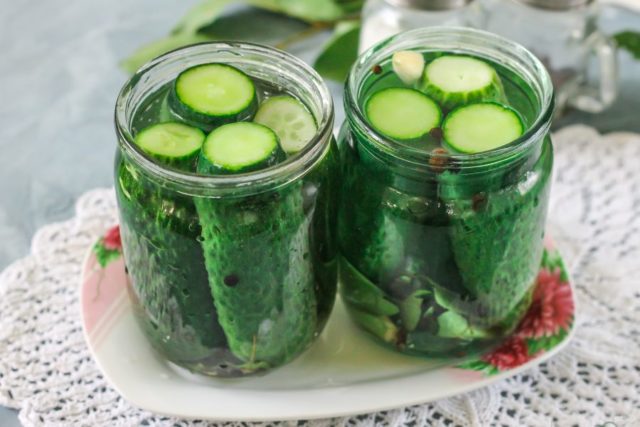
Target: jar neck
[282,70]
[462,41]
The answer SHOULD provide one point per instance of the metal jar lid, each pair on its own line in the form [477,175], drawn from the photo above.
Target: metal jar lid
[556,4]
[430,4]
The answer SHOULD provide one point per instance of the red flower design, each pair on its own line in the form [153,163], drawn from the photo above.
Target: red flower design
[512,353]
[551,308]
[111,239]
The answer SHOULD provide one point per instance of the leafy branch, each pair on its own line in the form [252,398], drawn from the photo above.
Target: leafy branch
[203,23]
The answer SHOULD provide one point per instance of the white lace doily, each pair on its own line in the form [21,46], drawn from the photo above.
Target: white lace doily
[46,370]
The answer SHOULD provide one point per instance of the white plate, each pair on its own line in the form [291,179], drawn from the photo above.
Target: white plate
[343,373]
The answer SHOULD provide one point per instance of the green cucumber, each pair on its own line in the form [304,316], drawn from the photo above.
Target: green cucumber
[239,147]
[211,95]
[160,232]
[261,274]
[402,113]
[481,127]
[173,144]
[454,80]
[290,120]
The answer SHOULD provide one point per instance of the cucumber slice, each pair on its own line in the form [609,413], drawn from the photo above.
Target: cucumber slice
[174,144]
[402,113]
[211,95]
[454,80]
[481,127]
[239,147]
[290,120]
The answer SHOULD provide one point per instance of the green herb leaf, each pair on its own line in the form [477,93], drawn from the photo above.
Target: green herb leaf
[630,41]
[335,60]
[200,16]
[157,48]
[452,325]
[359,291]
[411,309]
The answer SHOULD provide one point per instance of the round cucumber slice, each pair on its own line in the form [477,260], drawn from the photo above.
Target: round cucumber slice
[402,113]
[290,120]
[481,127]
[454,80]
[239,147]
[210,95]
[171,143]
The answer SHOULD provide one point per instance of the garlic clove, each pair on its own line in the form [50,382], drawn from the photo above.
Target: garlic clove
[408,65]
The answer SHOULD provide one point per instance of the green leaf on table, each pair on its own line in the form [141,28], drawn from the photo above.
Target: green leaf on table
[157,48]
[307,10]
[630,41]
[340,52]
[200,16]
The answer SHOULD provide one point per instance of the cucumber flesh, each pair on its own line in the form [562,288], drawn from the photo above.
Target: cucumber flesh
[455,80]
[211,95]
[481,127]
[290,120]
[402,113]
[171,143]
[239,147]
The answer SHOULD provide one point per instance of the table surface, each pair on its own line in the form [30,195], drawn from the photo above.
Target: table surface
[59,78]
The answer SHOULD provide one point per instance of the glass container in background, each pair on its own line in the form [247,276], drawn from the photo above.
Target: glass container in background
[385,18]
[228,274]
[564,35]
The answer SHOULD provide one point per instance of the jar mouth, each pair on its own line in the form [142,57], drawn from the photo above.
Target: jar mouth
[273,65]
[458,40]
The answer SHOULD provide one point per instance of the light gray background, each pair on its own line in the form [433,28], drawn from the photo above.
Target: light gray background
[59,79]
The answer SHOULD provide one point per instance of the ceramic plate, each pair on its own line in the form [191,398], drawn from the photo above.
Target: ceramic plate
[343,373]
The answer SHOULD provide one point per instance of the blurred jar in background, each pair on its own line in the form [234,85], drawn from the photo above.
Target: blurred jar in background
[564,35]
[385,18]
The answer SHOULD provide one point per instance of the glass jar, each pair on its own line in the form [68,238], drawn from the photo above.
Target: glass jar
[385,18]
[439,252]
[231,274]
[564,35]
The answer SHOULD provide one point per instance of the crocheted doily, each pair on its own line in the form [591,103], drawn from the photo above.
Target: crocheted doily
[47,373]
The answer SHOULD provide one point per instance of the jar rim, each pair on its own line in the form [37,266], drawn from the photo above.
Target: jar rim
[251,182]
[464,41]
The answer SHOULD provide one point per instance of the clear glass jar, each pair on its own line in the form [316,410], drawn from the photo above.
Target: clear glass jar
[439,252]
[564,35]
[385,18]
[231,274]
